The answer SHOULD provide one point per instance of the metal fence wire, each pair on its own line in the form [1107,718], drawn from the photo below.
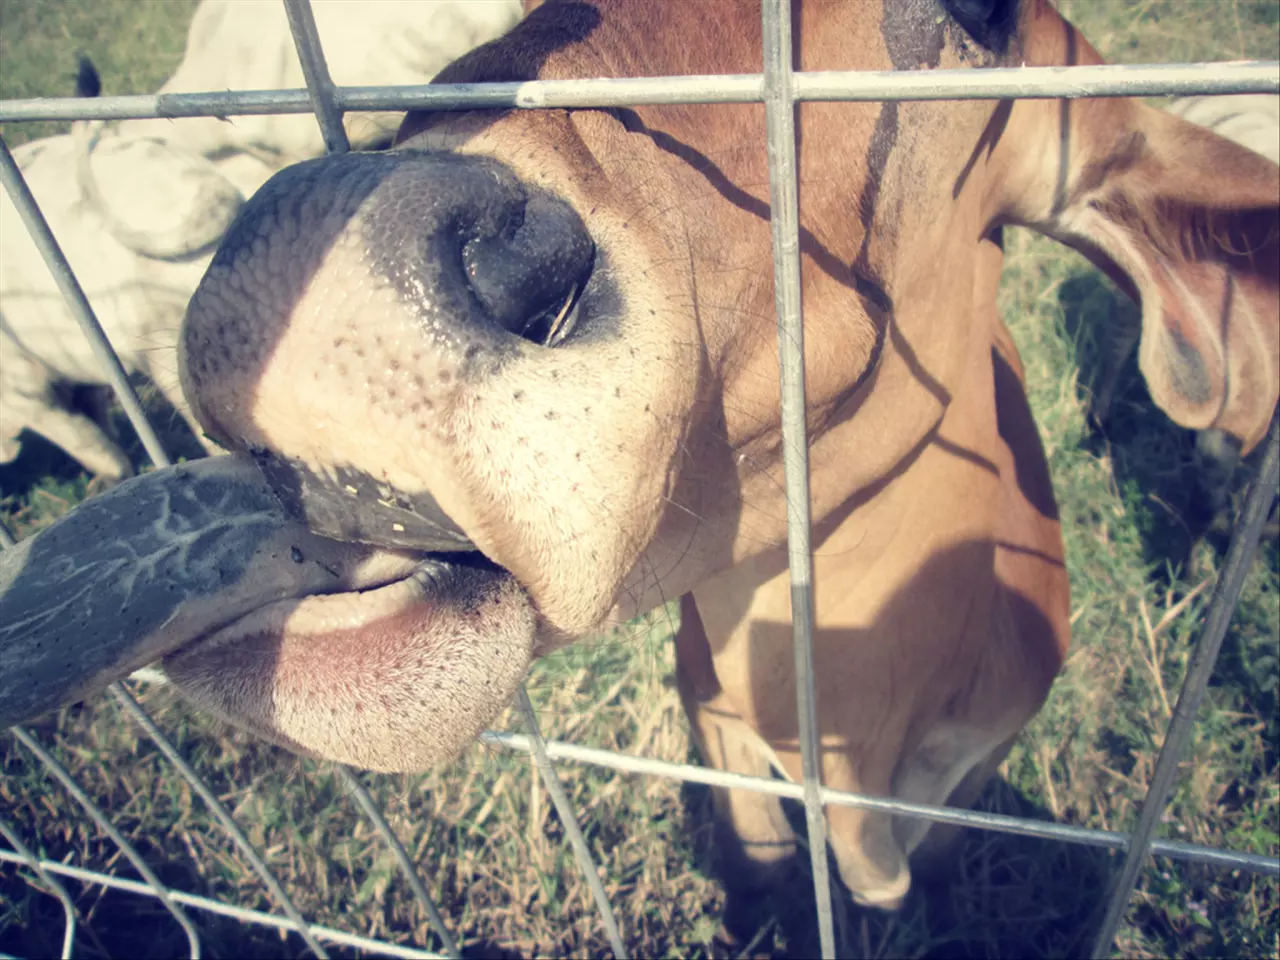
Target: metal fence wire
[779,88]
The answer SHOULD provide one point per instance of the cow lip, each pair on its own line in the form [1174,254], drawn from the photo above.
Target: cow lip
[398,677]
[433,575]
[426,585]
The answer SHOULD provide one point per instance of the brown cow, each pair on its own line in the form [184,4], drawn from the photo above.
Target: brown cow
[518,378]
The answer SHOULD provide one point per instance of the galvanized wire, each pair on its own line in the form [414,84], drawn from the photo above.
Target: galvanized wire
[569,820]
[1244,543]
[56,889]
[244,915]
[779,88]
[159,890]
[216,807]
[1106,80]
[38,227]
[315,69]
[784,221]
[995,822]
[366,804]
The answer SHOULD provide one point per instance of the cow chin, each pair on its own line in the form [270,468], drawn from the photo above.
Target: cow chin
[399,678]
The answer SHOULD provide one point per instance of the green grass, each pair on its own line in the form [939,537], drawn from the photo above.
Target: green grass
[135,45]
[488,846]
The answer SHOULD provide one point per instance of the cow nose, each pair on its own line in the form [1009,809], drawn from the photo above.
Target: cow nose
[466,241]
[471,253]
[354,304]
[528,274]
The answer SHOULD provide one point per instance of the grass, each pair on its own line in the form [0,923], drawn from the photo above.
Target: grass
[487,844]
[135,45]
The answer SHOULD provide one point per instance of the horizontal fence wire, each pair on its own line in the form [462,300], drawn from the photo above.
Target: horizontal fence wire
[1106,80]
[283,924]
[995,822]
[779,88]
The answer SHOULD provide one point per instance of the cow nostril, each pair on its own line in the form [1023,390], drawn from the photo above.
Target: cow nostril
[552,326]
[528,277]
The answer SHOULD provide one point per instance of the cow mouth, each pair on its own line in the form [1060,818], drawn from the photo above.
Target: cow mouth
[383,657]
[396,677]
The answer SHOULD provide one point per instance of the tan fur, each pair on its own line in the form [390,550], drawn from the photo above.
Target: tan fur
[612,474]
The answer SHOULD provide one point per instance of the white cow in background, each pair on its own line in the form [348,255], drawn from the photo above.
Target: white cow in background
[138,240]
[139,206]
[246,45]
[1250,119]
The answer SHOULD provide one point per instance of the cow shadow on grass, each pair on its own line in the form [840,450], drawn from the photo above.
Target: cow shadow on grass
[999,895]
[41,465]
[1177,497]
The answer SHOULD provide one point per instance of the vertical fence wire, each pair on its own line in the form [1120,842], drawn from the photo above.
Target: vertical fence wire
[370,809]
[56,888]
[784,218]
[131,853]
[569,820]
[1244,543]
[315,68]
[143,719]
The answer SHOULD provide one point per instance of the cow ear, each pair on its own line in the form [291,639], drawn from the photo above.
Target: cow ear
[1185,221]
[1192,222]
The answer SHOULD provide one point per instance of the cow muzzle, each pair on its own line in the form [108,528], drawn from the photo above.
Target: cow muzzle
[362,294]
[443,447]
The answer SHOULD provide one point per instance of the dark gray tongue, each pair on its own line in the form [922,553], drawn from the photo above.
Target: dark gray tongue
[141,570]
[350,505]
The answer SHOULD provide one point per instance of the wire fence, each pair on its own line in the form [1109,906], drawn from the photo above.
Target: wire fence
[779,89]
